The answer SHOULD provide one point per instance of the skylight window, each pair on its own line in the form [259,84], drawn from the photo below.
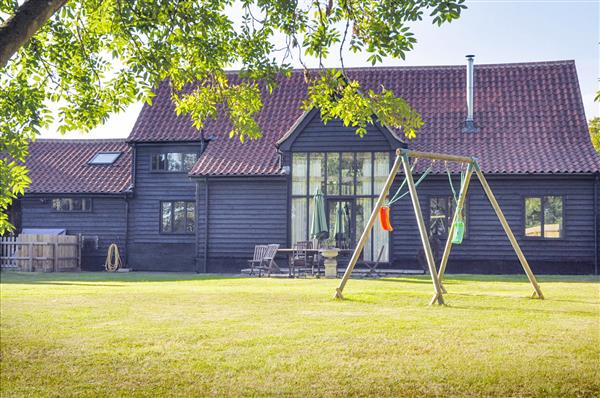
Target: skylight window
[105,158]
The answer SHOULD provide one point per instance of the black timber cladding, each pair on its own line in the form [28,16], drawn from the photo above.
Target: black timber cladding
[150,249]
[106,222]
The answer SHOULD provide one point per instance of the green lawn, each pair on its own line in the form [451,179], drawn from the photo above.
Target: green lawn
[140,334]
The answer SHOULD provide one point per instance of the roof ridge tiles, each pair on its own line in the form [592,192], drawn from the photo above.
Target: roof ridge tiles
[82,140]
[433,67]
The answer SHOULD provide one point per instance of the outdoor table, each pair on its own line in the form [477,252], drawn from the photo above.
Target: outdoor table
[289,251]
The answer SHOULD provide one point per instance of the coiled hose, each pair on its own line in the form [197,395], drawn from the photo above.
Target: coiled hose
[113,259]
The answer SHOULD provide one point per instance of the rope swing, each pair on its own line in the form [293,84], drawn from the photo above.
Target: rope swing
[459,225]
[384,211]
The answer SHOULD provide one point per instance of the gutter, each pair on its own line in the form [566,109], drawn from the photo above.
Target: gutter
[126,229]
[133,169]
[596,183]
[205,264]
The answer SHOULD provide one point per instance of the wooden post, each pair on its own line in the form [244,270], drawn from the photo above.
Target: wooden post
[508,231]
[422,231]
[78,248]
[55,255]
[30,251]
[368,228]
[459,206]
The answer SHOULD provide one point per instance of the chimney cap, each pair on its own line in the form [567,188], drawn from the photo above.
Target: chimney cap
[470,56]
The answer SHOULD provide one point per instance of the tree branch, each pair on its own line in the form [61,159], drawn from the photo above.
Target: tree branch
[19,28]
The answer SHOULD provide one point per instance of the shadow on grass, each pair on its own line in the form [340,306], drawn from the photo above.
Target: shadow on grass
[96,278]
[12,277]
[522,310]
[59,283]
[519,278]
[547,300]
[426,280]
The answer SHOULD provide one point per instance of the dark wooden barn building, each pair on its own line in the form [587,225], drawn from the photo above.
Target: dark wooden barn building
[176,199]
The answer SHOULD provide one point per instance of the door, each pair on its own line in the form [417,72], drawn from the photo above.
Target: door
[354,217]
[342,222]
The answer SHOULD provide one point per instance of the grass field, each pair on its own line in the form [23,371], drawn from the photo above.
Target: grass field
[186,335]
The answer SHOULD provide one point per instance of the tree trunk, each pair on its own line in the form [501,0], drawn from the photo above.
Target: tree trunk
[19,28]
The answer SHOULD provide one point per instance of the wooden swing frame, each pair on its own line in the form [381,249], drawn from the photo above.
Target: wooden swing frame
[402,158]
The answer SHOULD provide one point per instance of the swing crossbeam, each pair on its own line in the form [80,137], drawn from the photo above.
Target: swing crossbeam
[402,158]
[434,156]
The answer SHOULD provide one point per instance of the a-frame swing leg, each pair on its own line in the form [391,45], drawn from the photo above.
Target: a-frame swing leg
[367,231]
[509,234]
[422,231]
[459,206]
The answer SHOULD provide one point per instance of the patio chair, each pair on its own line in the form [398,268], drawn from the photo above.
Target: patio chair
[269,263]
[301,260]
[317,257]
[258,259]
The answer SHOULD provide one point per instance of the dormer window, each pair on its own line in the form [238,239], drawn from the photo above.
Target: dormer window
[174,161]
[105,158]
[72,205]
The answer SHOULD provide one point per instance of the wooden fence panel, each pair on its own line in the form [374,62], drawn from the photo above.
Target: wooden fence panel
[7,252]
[45,253]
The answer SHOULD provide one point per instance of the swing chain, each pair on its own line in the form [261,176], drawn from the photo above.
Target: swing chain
[397,196]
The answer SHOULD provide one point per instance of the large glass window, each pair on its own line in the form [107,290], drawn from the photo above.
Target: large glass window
[333,173]
[353,179]
[299,174]
[364,206]
[347,173]
[173,161]
[317,173]
[382,169]
[364,173]
[178,217]
[544,217]
[299,219]
[380,242]
[75,205]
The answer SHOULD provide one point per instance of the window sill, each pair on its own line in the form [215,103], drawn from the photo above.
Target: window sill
[542,239]
[72,211]
[168,172]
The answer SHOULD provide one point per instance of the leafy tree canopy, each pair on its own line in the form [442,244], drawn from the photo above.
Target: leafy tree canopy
[595,133]
[92,58]
[594,127]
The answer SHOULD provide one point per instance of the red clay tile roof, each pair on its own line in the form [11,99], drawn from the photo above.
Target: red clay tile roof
[61,166]
[530,118]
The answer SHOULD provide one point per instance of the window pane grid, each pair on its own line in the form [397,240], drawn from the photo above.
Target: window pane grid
[174,162]
[441,213]
[333,173]
[316,173]
[178,217]
[74,205]
[299,173]
[544,217]
[340,175]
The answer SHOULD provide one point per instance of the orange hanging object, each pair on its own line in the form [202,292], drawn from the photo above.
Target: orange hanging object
[384,218]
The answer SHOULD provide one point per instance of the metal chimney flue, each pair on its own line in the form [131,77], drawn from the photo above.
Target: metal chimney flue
[470,122]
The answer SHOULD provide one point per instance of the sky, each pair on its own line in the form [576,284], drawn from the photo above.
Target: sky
[496,31]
